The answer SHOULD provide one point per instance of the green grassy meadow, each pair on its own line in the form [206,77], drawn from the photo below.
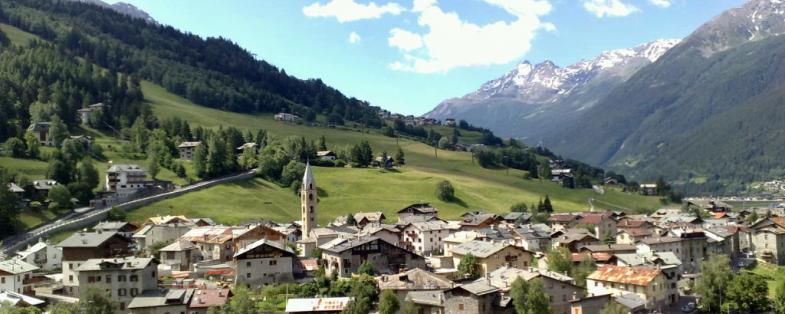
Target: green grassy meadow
[348,190]
[772,273]
[17,36]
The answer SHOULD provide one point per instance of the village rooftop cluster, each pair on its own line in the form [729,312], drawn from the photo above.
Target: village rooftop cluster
[177,264]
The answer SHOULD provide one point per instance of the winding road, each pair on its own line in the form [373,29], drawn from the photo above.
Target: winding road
[81,216]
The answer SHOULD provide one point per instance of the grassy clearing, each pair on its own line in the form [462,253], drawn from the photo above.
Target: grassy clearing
[772,273]
[32,218]
[60,236]
[17,36]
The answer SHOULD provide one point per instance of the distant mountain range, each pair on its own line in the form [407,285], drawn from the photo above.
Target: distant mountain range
[525,101]
[707,111]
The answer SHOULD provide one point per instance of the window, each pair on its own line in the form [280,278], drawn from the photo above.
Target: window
[134,278]
[247,275]
[134,292]
[247,264]
[273,263]
[121,278]
[121,292]
[90,279]
[2,279]
[460,306]
[70,278]
[108,278]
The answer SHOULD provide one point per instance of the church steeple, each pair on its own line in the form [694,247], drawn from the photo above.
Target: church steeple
[308,200]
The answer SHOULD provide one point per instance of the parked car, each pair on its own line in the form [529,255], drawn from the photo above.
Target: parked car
[746,263]
[689,307]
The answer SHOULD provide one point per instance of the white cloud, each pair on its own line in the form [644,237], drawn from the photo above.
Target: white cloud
[451,42]
[349,10]
[661,3]
[354,38]
[404,40]
[610,8]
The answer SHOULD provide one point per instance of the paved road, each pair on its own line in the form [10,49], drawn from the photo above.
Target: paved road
[85,213]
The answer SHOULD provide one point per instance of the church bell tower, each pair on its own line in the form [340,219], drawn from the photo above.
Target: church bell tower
[308,201]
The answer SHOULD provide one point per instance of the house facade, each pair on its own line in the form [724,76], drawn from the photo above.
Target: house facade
[264,262]
[83,246]
[43,254]
[648,284]
[426,237]
[344,256]
[122,278]
[491,256]
[187,149]
[125,179]
[41,132]
[16,275]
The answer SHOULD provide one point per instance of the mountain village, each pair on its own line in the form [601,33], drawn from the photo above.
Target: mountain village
[582,261]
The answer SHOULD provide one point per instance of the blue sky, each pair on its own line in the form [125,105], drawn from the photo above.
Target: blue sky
[409,55]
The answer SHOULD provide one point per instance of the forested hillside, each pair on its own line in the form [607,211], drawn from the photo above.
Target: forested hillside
[705,114]
[214,71]
[708,122]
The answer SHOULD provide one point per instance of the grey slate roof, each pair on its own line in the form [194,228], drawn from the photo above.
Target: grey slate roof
[481,249]
[431,297]
[161,297]
[178,246]
[124,167]
[125,263]
[87,239]
[110,225]
[15,266]
[262,242]
[479,287]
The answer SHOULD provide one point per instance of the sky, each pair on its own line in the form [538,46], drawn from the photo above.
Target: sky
[409,55]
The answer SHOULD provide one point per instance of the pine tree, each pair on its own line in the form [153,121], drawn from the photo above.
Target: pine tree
[216,157]
[400,159]
[388,303]
[58,131]
[546,205]
[200,160]
[322,143]
[88,174]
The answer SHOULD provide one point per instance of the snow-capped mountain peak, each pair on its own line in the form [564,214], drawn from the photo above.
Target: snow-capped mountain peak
[542,82]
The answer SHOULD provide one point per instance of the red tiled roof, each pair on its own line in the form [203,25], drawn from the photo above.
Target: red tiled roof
[204,298]
[601,257]
[310,264]
[221,271]
[628,223]
[635,275]
[563,218]
[780,221]
[638,232]
[593,218]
